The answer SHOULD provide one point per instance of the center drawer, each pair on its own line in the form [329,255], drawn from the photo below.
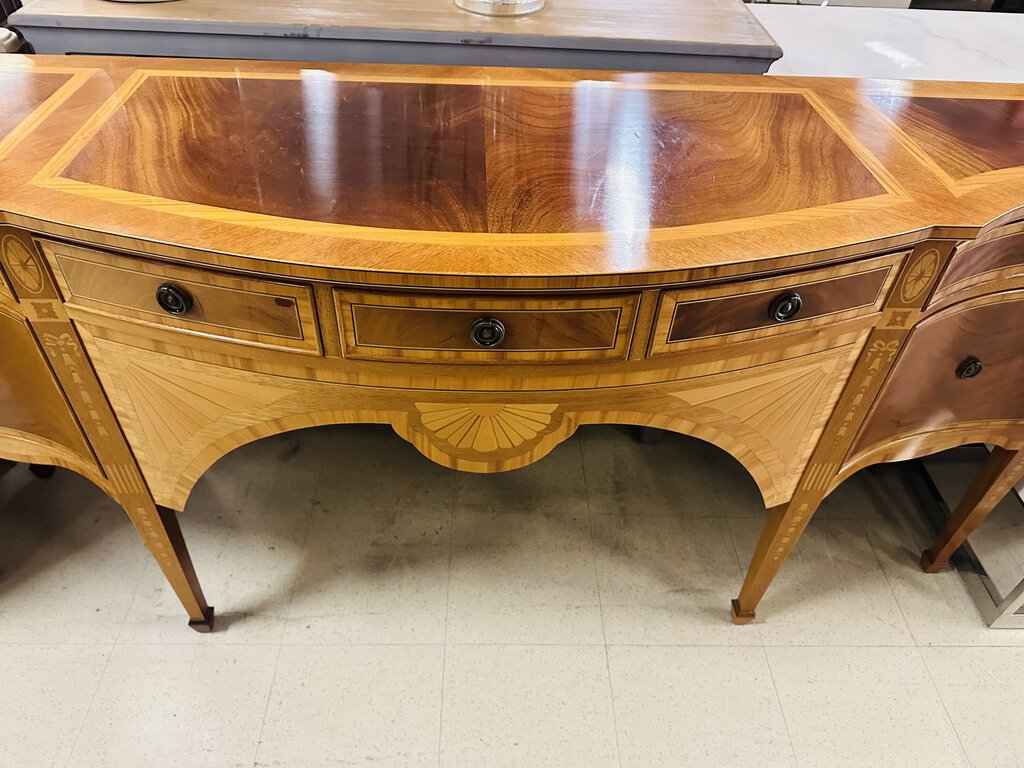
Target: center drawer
[476,329]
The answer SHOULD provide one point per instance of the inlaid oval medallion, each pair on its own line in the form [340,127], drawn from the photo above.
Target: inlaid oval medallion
[22,265]
[920,276]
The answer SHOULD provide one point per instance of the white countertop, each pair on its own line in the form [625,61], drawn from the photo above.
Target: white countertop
[895,43]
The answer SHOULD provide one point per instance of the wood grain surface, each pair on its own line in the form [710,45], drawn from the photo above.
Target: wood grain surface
[23,92]
[468,158]
[372,173]
[965,136]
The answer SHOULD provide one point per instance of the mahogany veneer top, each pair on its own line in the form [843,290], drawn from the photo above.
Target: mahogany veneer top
[499,172]
[21,93]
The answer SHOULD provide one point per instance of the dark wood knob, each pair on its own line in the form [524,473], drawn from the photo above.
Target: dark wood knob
[487,332]
[173,299]
[785,307]
[969,368]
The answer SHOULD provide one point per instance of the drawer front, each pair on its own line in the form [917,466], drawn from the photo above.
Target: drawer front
[441,328]
[932,387]
[248,310]
[993,263]
[691,317]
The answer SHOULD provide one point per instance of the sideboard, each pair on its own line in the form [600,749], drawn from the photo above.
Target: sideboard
[814,275]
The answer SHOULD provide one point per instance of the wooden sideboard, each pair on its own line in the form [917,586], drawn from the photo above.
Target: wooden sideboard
[814,275]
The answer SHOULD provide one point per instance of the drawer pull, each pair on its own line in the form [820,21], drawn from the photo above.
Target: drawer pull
[969,368]
[173,299]
[785,307]
[487,332]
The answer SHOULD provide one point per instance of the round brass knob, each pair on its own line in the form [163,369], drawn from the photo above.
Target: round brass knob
[487,332]
[785,307]
[173,299]
[969,368]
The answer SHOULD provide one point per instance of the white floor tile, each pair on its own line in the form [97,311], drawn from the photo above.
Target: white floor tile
[701,707]
[354,705]
[937,606]
[831,590]
[668,580]
[368,468]
[363,558]
[69,560]
[983,690]
[177,705]
[45,691]
[372,577]
[863,708]
[678,476]
[999,541]
[523,578]
[527,706]
[245,525]
[552,485]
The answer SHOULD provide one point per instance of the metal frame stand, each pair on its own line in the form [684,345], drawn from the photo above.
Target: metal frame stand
[999,611]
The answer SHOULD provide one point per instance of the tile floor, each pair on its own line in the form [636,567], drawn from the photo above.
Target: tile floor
[375,609]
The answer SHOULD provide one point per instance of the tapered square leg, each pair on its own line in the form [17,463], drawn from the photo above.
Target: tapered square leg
[161,532]
[176,564]
[203,625]
[1000,472]
[930,565]
[783,527]
[739,616]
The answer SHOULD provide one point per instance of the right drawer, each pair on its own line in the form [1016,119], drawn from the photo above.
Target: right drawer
[961,366]
[992,263]
[696,317]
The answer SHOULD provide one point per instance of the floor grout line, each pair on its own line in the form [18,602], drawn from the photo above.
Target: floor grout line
[888,583]
[782,709]
[913,636]
[266,707]
[447,605]
[313,507]
[92,702]
[945,709]
[600,604]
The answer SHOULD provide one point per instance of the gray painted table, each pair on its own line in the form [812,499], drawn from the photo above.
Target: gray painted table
[674,35]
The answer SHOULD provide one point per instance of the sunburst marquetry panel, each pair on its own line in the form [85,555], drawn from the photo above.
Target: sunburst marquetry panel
[485,427]
[960,137]
[469,158]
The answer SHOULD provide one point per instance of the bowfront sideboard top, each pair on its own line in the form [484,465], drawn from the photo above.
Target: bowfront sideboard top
[814,275]
[499,173]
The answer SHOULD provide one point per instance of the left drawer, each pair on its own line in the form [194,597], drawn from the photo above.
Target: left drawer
[250,310]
